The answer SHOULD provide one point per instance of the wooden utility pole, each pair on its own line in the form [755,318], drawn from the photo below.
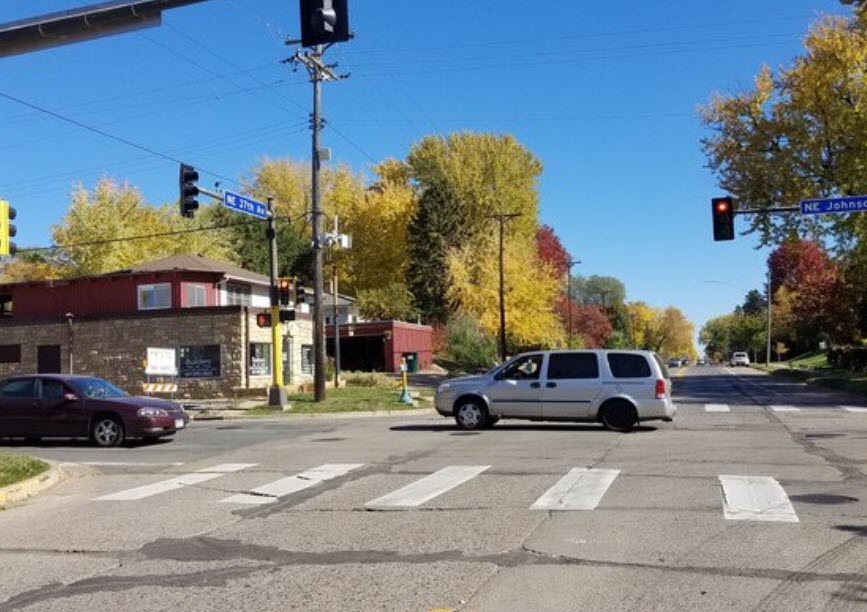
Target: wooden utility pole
[502,218]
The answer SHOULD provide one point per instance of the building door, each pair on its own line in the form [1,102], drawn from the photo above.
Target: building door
[287,361]
[48,359]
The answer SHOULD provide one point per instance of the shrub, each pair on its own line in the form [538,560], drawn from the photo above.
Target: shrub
[848,358]
[368,379]
[469,345]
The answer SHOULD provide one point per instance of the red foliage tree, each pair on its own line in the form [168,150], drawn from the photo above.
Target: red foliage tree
[588,322]
[551,250]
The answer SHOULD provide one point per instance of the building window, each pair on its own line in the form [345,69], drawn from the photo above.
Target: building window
[10,353]
[239,295]
[199,361]
[195,296]
[154,297]
[260,359]
[307,359]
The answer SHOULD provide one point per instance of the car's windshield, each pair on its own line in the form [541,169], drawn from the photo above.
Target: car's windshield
[97,388]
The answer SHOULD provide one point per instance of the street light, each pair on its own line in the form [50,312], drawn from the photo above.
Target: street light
[570,263]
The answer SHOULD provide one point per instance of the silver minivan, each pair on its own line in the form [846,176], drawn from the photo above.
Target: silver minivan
[618,388]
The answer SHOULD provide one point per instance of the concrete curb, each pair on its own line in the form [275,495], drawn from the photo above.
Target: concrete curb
[282,416]
[20,491]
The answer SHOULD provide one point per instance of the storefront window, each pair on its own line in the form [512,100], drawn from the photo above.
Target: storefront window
[260,359]
[199,361]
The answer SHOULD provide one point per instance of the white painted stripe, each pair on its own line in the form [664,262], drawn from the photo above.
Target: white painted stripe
[855,409]
[756,498]
[785,409]
[580,489]
[717,408]
[429,487]
[271,492]
[173,484]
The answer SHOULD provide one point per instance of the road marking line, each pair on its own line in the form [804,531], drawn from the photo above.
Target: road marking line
[173,484]
[273,491]
[756,498]
[785,409]
[579,489]
[429,487]
[717,408]
[131,464]
[855,409]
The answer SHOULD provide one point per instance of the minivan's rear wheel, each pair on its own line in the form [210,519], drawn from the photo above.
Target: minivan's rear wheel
[619,416]
[471,414]
[107,430]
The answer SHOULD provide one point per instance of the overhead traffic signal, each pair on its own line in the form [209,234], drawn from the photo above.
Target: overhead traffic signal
[188,190]
[7,229]
[263,319]
[723,210]
[285,291]
[324,22]
[303,295]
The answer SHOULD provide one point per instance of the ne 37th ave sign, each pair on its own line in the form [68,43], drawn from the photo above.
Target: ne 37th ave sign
[834,205]
[245,205]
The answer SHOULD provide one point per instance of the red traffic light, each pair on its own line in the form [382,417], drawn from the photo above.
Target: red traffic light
[722,205]
[723,218]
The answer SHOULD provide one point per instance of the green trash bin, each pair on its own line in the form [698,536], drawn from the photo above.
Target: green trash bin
[411,362]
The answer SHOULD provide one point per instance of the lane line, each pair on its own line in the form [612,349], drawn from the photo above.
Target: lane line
[172,484]
[427,488]
[785,409]
[716,408]
[273,491]
[756,498]
[854,409]
[579,489]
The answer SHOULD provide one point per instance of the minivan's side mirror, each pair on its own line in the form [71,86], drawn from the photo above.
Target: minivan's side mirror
[70,397]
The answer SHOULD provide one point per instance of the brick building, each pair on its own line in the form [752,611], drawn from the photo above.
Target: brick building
[102,325]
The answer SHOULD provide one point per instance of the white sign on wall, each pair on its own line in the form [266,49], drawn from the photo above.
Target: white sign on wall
[161,362]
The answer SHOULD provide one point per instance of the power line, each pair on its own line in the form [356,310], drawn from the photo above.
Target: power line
[108,135]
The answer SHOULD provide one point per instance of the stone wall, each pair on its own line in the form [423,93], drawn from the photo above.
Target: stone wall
[115,347]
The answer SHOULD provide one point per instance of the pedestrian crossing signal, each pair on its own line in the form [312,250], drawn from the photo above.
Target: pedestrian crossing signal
[263,319]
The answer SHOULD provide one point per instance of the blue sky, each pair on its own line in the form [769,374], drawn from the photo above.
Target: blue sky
[605,94]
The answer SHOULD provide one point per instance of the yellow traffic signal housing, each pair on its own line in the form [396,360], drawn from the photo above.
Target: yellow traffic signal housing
[7,229]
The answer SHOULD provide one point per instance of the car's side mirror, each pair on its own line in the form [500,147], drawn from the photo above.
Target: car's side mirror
[70,397]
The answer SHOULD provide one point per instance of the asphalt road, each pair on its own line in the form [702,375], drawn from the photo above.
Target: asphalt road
[754,498]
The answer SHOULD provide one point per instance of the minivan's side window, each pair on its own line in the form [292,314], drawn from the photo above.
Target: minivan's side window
[21,388]
[628,365]
[52,389]
[562,366]
[525,368]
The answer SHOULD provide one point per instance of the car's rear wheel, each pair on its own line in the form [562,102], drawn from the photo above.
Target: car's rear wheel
[619,416]
[471,414]
[107,430]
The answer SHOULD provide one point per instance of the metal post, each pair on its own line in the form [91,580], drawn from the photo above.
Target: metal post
[336,330]
[502,218]
[318,282]
[276,394]
[569,304]
[69,317]
[770,306]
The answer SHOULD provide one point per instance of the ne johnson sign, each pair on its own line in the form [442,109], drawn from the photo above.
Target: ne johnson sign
[834,205]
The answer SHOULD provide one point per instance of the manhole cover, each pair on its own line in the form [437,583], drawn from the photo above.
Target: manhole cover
[824,435]
[822,498]
[328,439]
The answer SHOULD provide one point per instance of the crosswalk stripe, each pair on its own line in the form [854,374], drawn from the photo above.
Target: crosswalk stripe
[579,489]
[756,498]
[273,491]
[429,487]
[855,409]
[178,482]
[785,409]
[716,408]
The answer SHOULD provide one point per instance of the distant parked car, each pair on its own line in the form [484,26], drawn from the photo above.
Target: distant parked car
[740,359]
[674,363]
[701,361]
[617,388]
[56,406]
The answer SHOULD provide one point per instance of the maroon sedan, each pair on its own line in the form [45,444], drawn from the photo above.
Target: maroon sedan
[58,406]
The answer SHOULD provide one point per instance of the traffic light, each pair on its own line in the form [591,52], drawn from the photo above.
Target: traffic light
[303,295]
[263,319]
[7,229]
[188,190]
[723,218]
[324,22]
[285,291]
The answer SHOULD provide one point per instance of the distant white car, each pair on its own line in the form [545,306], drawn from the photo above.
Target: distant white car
[740,359]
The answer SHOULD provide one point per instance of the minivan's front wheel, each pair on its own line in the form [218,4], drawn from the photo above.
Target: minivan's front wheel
[619,416]
[471,414]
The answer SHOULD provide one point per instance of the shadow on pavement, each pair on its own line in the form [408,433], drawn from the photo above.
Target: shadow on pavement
[566,428]
[75,443]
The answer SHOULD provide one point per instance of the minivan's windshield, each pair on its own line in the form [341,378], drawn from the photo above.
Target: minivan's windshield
[97,388]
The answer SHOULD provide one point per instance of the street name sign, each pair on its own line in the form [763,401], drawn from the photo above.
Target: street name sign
[834,205]
[245,205]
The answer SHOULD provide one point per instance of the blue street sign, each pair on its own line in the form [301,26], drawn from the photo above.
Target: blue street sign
[245,205]
[834,205]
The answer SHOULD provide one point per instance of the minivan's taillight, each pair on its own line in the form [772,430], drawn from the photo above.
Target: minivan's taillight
[660,389]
